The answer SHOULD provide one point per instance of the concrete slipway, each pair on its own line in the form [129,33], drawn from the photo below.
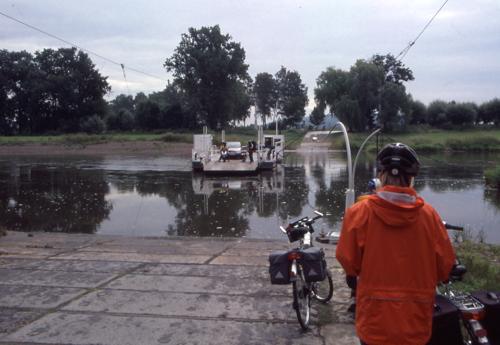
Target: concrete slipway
[91,289]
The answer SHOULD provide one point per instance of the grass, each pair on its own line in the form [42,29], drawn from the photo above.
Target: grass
[493,177]
[483,265]
[293,138]
[430,140]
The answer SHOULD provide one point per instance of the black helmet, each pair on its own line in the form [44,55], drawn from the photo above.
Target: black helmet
[398,158]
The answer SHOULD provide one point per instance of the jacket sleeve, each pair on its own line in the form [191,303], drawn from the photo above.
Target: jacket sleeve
[349,251]
[445,255]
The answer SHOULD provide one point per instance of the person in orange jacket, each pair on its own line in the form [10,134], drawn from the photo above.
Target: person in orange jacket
[397,246]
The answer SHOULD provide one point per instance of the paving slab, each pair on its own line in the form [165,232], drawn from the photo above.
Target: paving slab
[167,248]
[205,305]
[241,260]
[12,319]
[36,296]
[53,278]
[77,266]
[229,286]
[335,335]
[16,263]
[234,271]
[134,257]
[91,329]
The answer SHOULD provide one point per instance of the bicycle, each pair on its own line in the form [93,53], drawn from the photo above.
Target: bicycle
[308,282]
[471,310]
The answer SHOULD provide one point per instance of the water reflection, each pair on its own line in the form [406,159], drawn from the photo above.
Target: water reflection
[130,198]
[43,199]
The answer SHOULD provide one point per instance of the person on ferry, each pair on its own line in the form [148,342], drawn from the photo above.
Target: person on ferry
[223,152]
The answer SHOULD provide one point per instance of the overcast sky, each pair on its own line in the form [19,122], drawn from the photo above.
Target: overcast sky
[457,58]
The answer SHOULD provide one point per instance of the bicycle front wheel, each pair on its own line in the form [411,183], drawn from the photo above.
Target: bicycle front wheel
[301,300]
[323,290]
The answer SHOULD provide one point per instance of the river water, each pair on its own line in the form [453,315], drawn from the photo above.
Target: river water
[160,196]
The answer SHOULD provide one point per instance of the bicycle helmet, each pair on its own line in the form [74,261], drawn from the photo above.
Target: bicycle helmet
[397,158]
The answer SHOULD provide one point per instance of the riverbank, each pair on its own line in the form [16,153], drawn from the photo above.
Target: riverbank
[113,290]
[429,140]
[123,143]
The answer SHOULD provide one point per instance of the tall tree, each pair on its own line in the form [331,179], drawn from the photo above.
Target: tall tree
[208,66]
[264,93]
[291,96]
[73,89]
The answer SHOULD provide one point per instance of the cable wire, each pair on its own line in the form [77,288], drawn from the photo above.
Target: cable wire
[122,66]
[403,53]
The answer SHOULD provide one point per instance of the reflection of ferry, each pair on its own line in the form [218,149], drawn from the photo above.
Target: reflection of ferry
[267,182]
[268,153]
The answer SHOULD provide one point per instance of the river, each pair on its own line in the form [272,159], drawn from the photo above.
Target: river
[160,196]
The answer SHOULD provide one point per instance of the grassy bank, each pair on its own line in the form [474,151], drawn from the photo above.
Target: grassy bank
[431,140]
[293,138]
[483,265]
[493,177]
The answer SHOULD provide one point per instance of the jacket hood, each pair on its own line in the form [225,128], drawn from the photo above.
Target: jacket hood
[396,206]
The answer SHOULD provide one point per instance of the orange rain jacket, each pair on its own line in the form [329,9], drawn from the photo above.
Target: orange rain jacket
[399,250]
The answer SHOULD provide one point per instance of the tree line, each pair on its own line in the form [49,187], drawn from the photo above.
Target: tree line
[61,91]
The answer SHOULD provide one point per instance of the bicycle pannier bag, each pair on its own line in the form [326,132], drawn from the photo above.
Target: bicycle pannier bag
[279,267]
[445,323]
[313,264]
[491,322]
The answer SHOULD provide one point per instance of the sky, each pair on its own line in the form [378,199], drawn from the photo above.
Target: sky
[456,58]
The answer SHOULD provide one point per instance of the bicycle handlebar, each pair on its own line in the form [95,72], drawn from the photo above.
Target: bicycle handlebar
[453,227]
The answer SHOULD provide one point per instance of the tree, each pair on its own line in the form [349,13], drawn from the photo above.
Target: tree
[73,90]
[208,66]
[436,112]
[371,91]
[490,111]
[291,96]
[148,115]
[123,102]
[317,115]
[264,93]
[461,114]
[394,108]
[418,112]
[394,69]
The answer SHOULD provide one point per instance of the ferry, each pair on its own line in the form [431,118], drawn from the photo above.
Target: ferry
[207,158]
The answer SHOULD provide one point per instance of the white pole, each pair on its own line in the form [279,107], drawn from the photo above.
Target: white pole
[349,194]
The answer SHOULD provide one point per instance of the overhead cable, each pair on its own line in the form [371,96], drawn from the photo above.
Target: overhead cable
[403,53]
[121,65]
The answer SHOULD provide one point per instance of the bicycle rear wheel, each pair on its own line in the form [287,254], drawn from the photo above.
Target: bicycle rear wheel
[323,290]
[301,300]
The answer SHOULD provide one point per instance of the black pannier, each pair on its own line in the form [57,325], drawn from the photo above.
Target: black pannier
[445,323]
[491,321]
[279,267]
[313,264]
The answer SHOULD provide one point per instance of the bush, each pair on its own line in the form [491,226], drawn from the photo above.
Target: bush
[93,125]
[121,121]
[492,177]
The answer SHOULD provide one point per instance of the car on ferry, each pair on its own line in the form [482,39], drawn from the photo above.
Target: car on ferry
[234,150]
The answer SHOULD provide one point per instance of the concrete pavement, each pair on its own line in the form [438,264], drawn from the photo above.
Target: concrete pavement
[91,289]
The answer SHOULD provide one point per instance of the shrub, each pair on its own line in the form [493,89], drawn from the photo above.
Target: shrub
[93,125]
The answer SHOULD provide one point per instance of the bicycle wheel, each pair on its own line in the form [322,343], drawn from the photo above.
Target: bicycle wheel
[301,300]
[323,290]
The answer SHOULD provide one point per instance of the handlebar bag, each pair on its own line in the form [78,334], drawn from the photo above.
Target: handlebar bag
[279,267]
[492,320]
[296,233]
[445,323]
[313,264]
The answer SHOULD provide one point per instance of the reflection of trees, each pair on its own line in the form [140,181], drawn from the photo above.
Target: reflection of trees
[294,194]
[64,200]
[493,197]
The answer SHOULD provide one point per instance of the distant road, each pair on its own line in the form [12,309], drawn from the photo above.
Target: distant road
[323,142]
